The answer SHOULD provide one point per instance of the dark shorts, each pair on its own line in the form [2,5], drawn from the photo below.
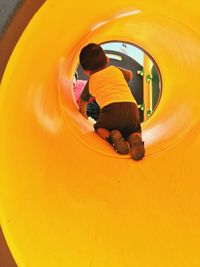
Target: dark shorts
[122,116]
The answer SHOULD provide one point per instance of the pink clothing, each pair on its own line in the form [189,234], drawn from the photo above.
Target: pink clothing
[78,89]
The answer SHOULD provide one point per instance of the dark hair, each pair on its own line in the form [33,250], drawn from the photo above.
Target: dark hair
[92,57]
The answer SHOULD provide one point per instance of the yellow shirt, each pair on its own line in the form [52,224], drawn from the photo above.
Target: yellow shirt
[109,86]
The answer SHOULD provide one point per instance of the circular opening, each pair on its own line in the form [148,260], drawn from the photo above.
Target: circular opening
[146,83]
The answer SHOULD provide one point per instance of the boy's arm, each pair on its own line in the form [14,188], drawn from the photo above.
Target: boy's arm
[128,75]
[84,98]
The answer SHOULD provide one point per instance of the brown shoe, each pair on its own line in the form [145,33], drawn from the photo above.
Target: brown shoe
[119,143]
[137,146]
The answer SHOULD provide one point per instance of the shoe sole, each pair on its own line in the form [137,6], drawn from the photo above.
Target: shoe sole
[137,147]
[119,143]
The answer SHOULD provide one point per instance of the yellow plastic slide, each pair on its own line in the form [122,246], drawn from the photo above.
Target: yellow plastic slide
[66,198]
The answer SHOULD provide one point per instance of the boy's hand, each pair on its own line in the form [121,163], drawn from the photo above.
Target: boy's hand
[128,74]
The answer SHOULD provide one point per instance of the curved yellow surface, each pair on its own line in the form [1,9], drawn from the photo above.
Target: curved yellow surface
[66,199]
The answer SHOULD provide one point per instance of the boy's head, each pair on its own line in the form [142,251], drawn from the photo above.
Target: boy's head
[93,57]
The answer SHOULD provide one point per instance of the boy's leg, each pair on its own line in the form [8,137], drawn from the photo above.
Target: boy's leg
[103,133]
[136,145]
[115,138]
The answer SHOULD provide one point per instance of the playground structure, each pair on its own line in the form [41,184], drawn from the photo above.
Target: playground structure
[66,198]
[146,85]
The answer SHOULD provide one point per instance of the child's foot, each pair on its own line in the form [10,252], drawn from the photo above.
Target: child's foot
[137,146]
[119,143]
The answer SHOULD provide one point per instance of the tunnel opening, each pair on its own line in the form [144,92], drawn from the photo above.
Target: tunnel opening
[146,85]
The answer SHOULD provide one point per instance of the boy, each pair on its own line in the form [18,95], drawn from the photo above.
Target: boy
[119,117]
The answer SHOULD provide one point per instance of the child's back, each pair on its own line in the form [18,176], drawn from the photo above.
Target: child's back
[109,86]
